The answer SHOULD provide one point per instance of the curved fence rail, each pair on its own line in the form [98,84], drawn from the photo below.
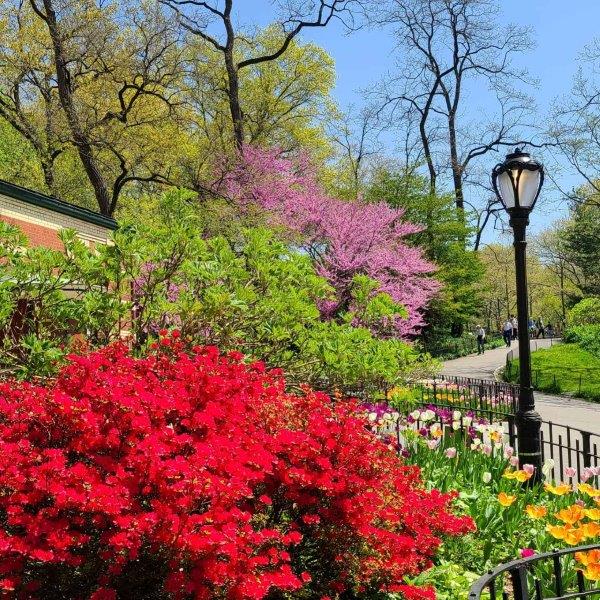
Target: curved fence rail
[550,576]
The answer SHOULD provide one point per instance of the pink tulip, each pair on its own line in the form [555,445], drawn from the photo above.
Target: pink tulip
[527,552]
[514,461]
[570,472]
[529,469]
[451,452]
[586,473]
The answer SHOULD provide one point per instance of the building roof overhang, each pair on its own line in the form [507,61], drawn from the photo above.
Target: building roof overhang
[37,199]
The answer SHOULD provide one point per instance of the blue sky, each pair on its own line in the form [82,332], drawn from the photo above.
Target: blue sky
[561,30]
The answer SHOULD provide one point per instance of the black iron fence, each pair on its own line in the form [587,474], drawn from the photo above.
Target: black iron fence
[550,576]
[486,398]
[568,452]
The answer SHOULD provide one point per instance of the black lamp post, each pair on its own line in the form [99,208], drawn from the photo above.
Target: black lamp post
[517,183]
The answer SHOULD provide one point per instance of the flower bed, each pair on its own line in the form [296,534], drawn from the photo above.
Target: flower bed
[459,451]
[196,475]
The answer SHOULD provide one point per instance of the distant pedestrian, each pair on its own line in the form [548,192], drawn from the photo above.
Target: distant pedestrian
[550,330]
[531,327]
[515,329]
[480,339]
[541,330]
[507,329]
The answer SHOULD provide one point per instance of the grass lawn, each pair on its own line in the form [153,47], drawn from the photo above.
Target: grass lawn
[565,368]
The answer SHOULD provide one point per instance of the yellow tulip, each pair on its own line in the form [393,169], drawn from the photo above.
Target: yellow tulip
[520,476]
[506,499]
[593,514]
[560,490]
[586,488]
[571,515]
[536,512]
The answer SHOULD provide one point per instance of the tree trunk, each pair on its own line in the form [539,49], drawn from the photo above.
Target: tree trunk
[235,108]
[65,94]
[48,170]
[456,168]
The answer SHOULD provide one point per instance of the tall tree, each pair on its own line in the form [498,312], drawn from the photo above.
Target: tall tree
[28,98]
[575,126]
[198,17]
[449,45]
[114,68]
[580,238]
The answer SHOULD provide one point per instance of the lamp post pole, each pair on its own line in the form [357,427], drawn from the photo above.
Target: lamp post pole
[517,182]
[528,420]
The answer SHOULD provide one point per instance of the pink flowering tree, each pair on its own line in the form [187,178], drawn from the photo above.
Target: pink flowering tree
[345,239]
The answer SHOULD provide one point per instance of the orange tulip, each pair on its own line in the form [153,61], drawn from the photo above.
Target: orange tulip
[571,515]
[536,512]
[588,558]
[591,530]
[569,534]
[592,572]
[506,499]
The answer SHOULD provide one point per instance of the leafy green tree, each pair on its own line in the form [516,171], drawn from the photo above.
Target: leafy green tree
[442,239]
[581,235]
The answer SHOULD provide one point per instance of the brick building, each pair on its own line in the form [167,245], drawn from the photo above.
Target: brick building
[41,217]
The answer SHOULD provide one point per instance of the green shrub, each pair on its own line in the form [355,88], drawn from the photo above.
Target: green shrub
[587,336]
[586,312]
[251,292]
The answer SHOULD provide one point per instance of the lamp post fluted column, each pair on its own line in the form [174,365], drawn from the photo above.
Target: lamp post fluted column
[528,420]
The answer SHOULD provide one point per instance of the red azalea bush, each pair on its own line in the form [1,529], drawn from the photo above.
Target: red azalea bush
[197,476]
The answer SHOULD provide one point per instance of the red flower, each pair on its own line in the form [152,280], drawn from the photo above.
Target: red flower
[147,470]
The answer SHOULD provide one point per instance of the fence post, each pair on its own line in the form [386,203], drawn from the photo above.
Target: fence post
[587,448]
[519,581]
[512,436]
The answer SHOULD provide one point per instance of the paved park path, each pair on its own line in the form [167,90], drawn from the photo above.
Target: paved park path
[558,409]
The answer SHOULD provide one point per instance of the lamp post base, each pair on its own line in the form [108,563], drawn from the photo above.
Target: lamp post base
[529,425]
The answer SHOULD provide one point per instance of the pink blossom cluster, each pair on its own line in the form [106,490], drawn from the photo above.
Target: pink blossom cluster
[344,238]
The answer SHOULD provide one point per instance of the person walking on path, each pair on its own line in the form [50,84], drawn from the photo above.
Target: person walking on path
[480,339]
[507,330]
[515,330]
[541,329]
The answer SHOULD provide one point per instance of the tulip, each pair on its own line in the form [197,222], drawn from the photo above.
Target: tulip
[450,452]
[433,444]
[586,474]
[570,472]
[547,467]
[506,499]
[536,512]
[514,461]
[529,469]
[487,477]
[527,552]
[508,451]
